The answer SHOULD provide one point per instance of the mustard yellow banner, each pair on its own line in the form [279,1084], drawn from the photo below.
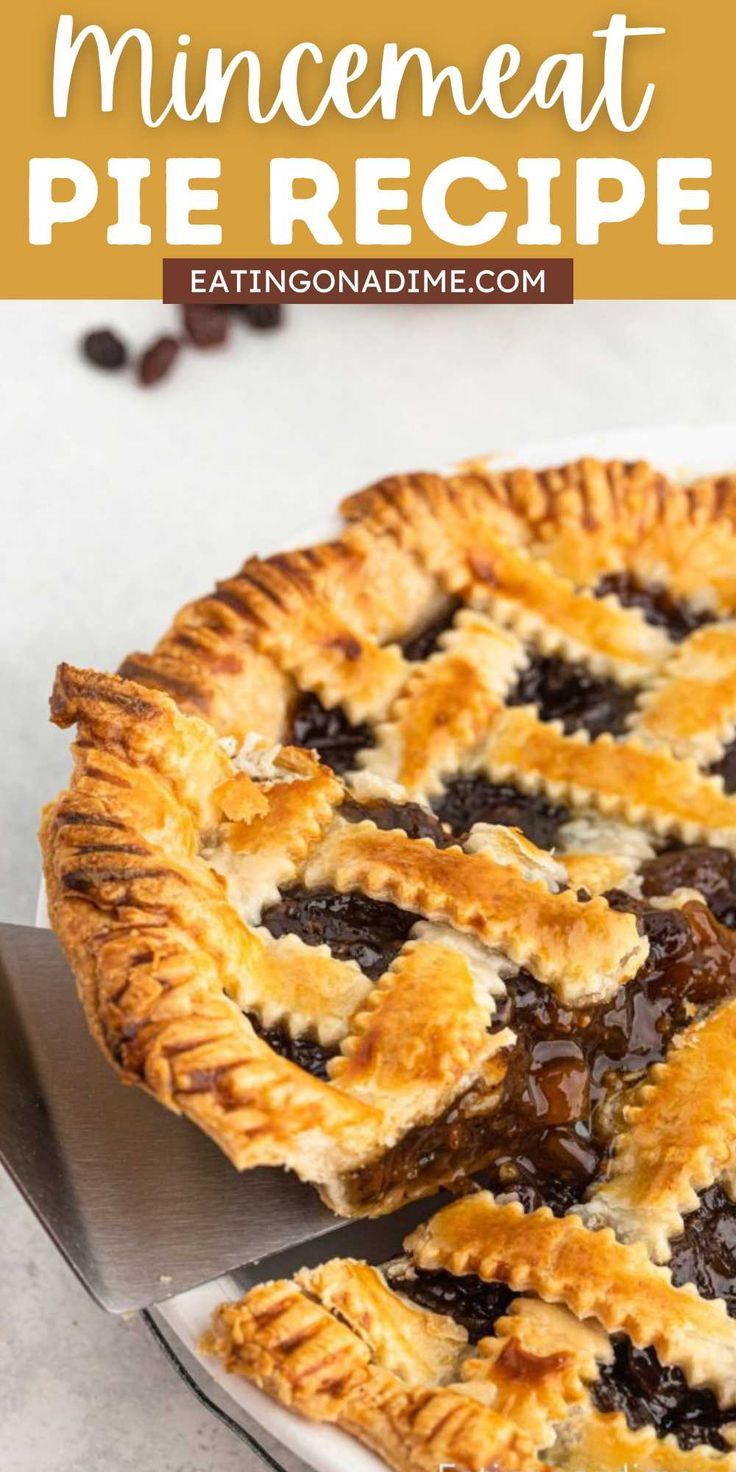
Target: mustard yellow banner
[136,132]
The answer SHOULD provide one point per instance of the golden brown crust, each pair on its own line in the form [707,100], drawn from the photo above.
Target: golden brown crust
[422,1348]
[586,514]
[587,519]
[422,1430]
[189,849]
[582,950]
[351,1350]
[304,988]
[691,708]
[305,613]
[592,1273]
[524,593]
[422,1038]
[258,856]
[233,655]
[190,840]
[537,1366]
[626,779]
[437,519]
[594,1441]
[228,656]
[294,1349]
[208,663]
[446,707]
[307,637]
[291,1347]
[157,951]
[679,1135]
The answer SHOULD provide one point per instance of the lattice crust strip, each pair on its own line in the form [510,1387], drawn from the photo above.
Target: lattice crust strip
[292,1347]
[691,708]
[420,1347]
[549,612]
[679,1136]
[304,988]
[620,779]
[592,1441]
[150,871]
[422,1038]
[446,707]
[261,848]
[593,1274]
[537,1366]
[340,1337]
[584,951]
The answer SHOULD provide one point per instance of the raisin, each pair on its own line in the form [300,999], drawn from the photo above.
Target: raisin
[206,326]
[158,360]
[263,315]
[105,349]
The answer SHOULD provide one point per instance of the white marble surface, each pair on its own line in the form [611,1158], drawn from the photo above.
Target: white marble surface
[119,505]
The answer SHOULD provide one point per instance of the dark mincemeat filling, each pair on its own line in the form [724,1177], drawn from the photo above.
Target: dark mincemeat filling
[468,1300]
[410,817]
[549,1137]
[419,646]
[329,732]
[705,1251]
[306,1052]
[726,768]
[712,871]
[677,618]
[562,691]
[568,1066]
[356,928]
[636,1383]
[475,799]
[567,692]
[651,1394]
[547,1140]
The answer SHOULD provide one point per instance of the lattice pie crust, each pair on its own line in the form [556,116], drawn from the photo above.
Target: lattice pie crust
[193,814]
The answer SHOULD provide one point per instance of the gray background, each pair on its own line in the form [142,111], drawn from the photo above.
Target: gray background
[118,506]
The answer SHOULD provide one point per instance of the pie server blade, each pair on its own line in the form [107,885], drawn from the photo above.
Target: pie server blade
[141,1204]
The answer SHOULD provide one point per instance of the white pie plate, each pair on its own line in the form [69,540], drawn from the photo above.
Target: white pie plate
[283,1440]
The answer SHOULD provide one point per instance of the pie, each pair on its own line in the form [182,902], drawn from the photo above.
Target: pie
[409,861]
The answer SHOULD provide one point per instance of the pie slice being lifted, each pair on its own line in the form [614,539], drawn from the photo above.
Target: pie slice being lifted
[452,944]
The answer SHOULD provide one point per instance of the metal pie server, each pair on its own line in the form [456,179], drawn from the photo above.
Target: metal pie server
[141,1204]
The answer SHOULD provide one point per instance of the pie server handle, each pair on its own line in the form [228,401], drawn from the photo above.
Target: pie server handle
[139,1202]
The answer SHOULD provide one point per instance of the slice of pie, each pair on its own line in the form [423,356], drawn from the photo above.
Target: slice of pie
[506,1340]
[408,861]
